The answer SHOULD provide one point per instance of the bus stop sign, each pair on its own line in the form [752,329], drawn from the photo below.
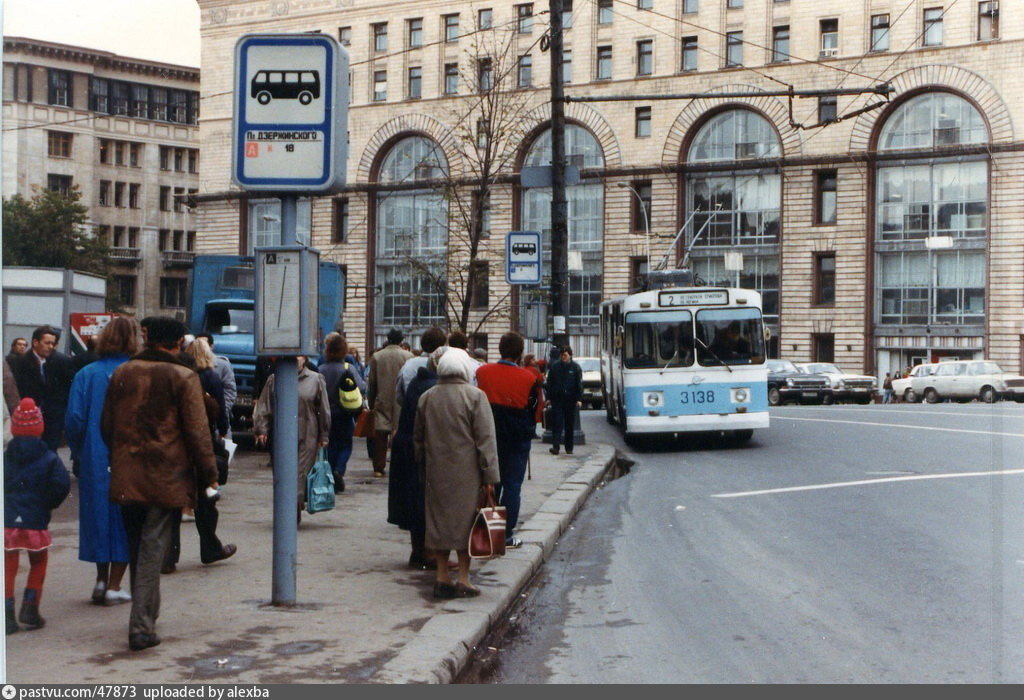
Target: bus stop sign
[291,113]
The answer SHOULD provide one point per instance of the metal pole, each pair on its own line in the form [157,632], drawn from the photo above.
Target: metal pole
[559,206]
[286,450]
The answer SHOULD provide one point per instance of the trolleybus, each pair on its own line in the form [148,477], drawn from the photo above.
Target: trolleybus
[685,360]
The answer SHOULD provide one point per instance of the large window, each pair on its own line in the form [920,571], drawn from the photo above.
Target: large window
[736,208]
[933,26]
[645,57]
[586,223]
[880,32]
[60,84]
[933,119]
[58,144]
[931,215]
[265,223]
[412,235]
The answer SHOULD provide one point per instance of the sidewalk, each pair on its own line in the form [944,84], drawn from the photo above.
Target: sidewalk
[362,616]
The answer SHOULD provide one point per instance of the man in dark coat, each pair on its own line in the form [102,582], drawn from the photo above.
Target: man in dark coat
[564,389]
[44,375]
[513,393]
[161,458]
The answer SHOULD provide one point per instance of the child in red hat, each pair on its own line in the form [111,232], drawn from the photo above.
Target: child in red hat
[35,483]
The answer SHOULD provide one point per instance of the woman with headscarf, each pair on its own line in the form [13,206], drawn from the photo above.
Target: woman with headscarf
[456,450]
[102,539]
[314,419]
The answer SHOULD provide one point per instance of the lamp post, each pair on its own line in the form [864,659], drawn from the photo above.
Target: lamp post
[647,223]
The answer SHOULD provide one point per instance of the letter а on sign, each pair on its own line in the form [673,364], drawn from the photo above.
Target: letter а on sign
[252,150]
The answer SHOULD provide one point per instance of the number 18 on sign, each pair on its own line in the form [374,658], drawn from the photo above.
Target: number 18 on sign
[291,113]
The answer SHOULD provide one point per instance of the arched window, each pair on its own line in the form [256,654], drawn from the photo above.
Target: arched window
[586,224]
[412,234]
[931,217]
[931,120]
[736,208]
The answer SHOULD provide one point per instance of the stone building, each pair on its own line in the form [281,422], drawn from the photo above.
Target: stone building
[124,132]
[879,218]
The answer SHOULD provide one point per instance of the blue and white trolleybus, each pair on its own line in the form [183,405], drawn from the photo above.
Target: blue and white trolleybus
[685,360]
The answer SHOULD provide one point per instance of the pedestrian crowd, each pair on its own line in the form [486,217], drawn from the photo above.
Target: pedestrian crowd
[146,414]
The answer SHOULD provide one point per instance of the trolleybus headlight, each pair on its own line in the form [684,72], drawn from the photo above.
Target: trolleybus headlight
[654,399]
[741,395]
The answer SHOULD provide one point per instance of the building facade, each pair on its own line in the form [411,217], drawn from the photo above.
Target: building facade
[855,162]
[125,133]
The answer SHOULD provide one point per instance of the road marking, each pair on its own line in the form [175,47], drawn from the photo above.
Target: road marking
[899,425]
[867,482]
[936,412]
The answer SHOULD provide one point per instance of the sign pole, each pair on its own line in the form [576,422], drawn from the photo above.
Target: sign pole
[286,451]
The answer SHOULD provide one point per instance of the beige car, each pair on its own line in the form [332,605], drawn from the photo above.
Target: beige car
[904,387]
[963,380]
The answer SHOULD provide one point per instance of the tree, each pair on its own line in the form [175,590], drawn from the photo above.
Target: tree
[50,230]
[489,126]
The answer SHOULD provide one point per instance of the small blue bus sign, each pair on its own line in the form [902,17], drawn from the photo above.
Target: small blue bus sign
[291,113]
[523,257]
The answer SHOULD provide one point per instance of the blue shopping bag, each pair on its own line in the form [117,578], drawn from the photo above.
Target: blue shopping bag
[320,485]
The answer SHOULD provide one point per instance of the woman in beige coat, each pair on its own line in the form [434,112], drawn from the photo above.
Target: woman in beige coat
[456,451]
[314,419]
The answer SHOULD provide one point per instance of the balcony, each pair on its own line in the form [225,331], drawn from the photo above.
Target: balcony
[125,256]
[177,258]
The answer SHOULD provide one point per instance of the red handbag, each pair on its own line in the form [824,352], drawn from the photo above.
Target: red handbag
[364,425]
[487,536]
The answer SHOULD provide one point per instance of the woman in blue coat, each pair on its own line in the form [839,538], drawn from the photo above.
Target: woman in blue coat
[101,534]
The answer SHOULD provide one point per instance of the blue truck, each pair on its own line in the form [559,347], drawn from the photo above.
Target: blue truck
[222,303]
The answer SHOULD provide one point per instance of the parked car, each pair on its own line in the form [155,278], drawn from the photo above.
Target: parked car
[845,387]
[963,380]
[592,395]
[904,388]
[787,383]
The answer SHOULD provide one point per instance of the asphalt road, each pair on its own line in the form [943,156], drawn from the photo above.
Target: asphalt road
[846,544]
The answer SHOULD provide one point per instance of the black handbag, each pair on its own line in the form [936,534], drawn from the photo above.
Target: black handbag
[220,455]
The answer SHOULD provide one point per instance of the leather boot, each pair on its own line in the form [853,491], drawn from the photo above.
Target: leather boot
[12,623]
[29,614]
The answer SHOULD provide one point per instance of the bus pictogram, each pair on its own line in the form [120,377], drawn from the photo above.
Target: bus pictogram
[301,85]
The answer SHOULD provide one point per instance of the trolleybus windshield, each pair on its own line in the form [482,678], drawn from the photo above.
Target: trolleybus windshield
[729,336]
[658,339]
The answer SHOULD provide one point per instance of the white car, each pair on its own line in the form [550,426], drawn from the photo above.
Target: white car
[963,380]
[905,388]
[592,394]
[848,387]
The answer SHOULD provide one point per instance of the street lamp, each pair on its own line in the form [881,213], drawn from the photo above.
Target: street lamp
[647,223]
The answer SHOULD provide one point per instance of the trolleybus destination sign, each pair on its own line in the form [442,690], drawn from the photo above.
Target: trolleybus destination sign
[291,106]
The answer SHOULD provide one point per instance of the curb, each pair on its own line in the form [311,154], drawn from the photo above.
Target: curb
[444,644]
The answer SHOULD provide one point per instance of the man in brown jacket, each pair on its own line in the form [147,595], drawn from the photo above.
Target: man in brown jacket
[161,458]
[385,366]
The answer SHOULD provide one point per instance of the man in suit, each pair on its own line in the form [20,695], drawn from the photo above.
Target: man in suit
[44,374]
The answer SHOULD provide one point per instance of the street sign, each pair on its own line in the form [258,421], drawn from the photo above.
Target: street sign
[532,176]
[287,308]
[291,113]
[522,257]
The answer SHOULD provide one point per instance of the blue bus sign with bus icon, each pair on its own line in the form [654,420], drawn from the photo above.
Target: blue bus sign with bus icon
[522,257]
[290,113]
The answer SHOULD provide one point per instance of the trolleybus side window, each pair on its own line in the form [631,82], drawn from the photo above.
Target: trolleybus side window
[659,339]
[730,336]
